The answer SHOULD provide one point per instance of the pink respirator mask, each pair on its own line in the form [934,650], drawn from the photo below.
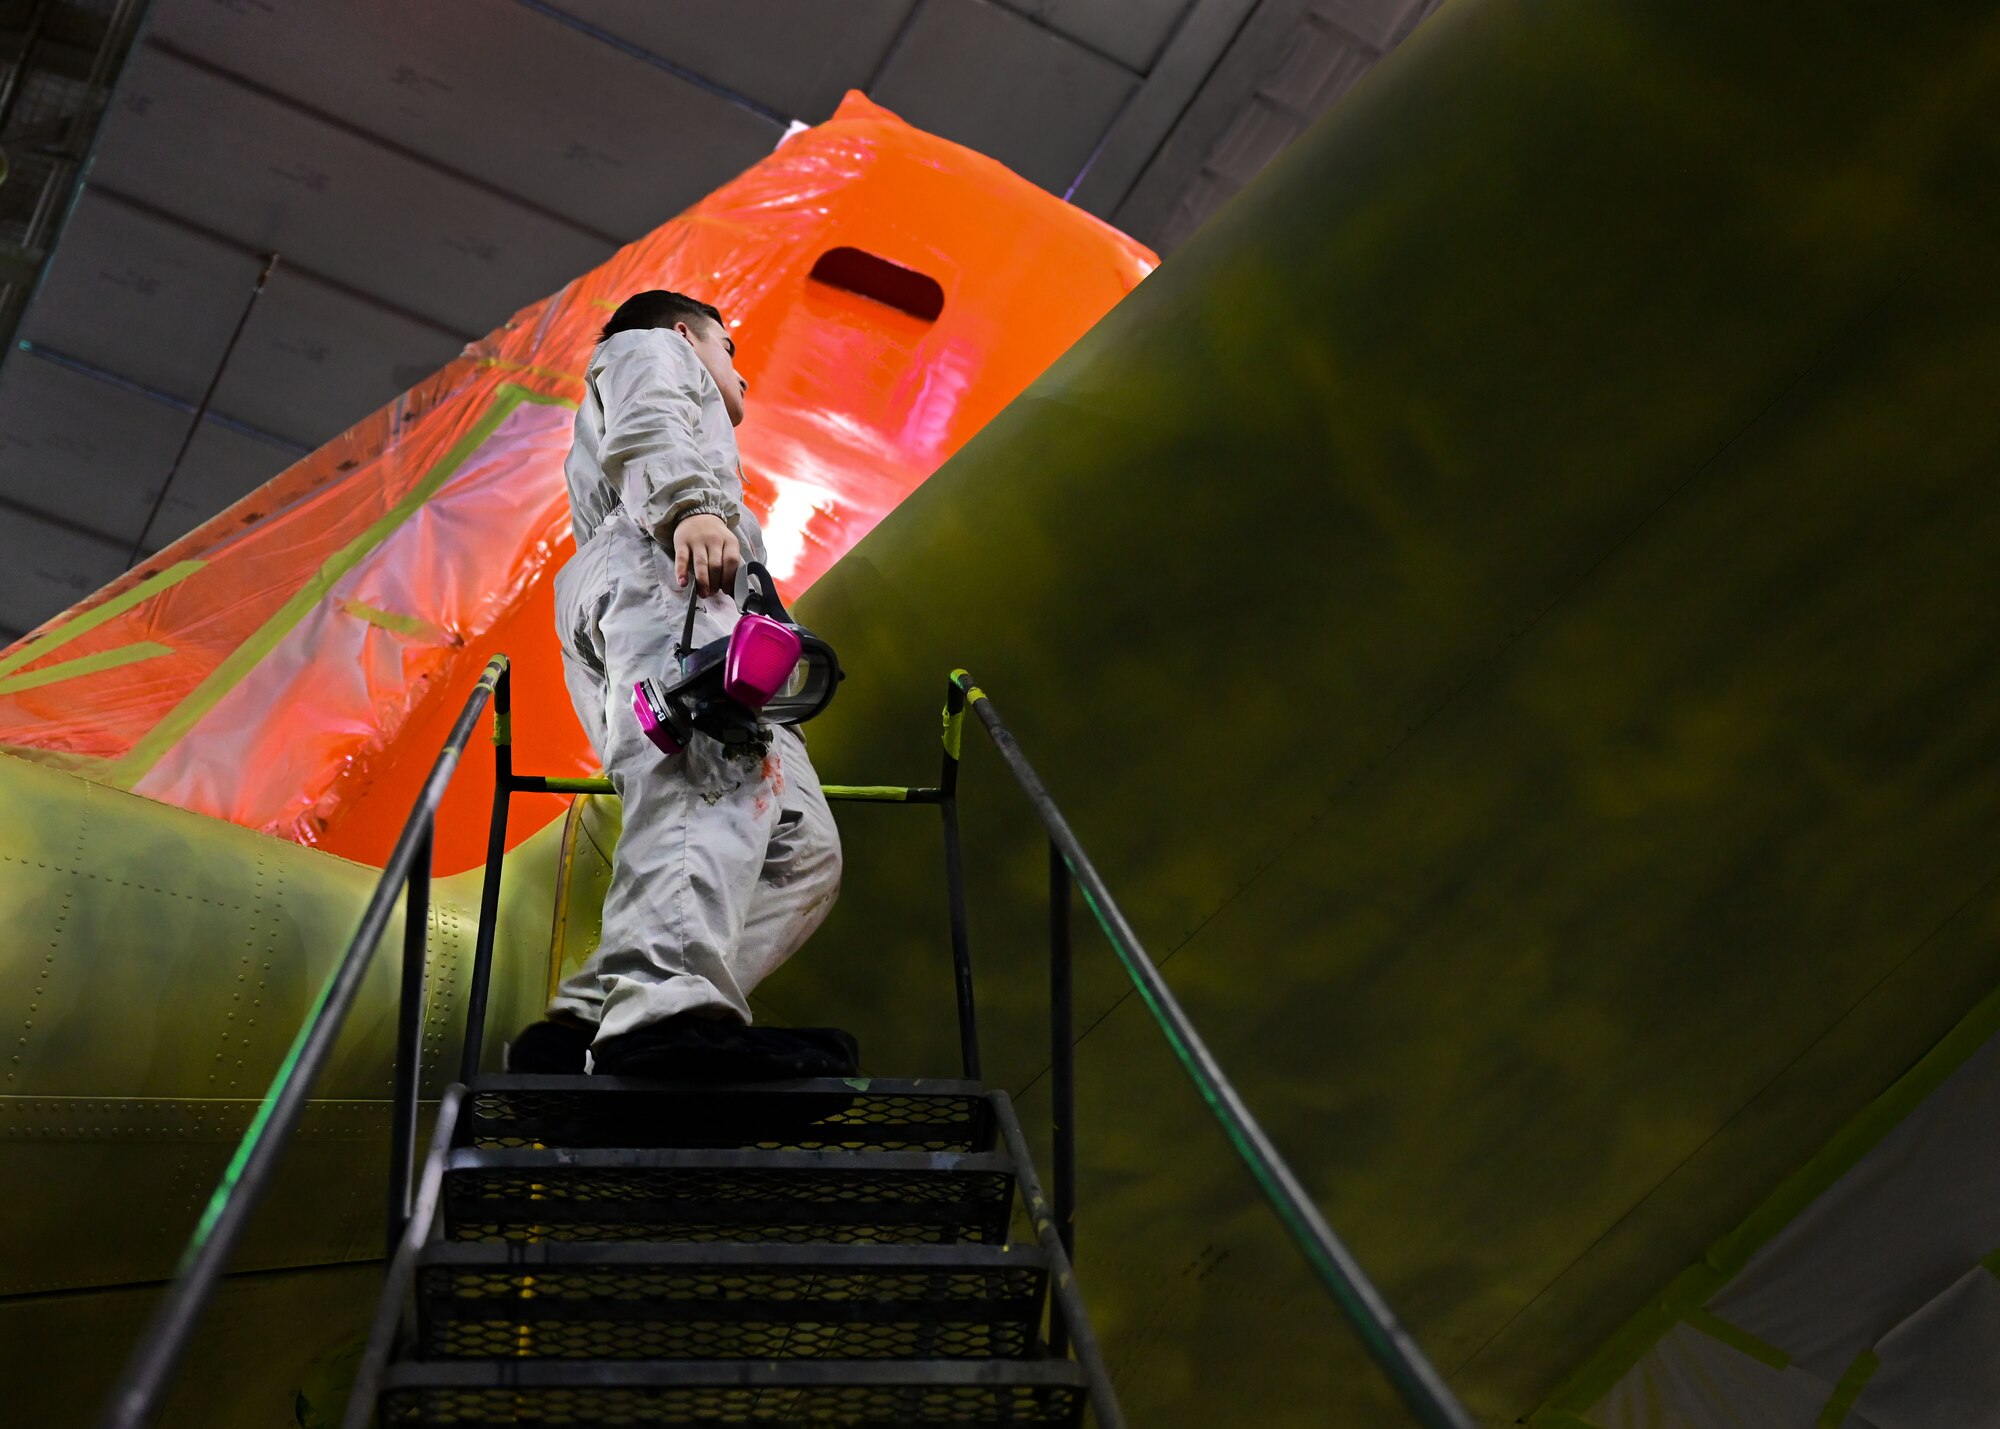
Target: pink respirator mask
[768,670]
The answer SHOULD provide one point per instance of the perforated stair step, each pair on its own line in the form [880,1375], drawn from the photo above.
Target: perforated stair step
[815,1114]
[799,1197]
[656,1302]
[532,1394]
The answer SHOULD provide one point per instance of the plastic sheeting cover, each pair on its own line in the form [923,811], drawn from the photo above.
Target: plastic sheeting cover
[290,665]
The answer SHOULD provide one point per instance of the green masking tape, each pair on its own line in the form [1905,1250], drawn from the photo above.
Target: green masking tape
[91,619]
[1737,1338]
[867,793]
[85,665]
[1849,1389]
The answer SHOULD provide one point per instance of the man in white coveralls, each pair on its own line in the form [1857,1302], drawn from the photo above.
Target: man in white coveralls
[726,864]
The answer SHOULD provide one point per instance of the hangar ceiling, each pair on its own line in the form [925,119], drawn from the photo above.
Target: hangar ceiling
[422,171]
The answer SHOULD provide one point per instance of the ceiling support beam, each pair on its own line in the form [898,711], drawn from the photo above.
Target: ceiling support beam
[11,507]
[659,62]
[1204,33]
[73,146]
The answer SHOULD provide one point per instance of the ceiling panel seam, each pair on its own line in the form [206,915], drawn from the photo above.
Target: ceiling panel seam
[1180,115]
[657,61]
[153,394]
[387,145]
[293,269]
[1063,35]
[62,523]
[1173,33]
[1318,21]
[895,46]
[1131,97]
[1147,208]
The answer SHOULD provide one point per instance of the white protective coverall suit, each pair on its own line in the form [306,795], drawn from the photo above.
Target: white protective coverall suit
[725,865]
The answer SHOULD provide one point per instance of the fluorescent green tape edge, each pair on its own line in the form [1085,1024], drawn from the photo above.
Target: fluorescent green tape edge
[127,772]
[579,786]
[86,665]
[415,627]
[852,793]
[1849,1389]
[1696,1285]
[91,619]
[954,720]
[1737,1338]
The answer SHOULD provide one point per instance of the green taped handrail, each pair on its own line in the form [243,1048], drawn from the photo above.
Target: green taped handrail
[1395,1351]
[849,793]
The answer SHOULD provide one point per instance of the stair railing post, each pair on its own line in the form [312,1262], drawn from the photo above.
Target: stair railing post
[1062,1068]
[410,1035]
[489,888]
[954,877]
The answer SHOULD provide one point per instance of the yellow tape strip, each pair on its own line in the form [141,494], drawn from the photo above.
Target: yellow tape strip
[86,665]
[580,786]
[235,666]
[413,626]
[1737,1338]
[91,619]
[503,728]
[858,793]
[1848,1390]
[954,724]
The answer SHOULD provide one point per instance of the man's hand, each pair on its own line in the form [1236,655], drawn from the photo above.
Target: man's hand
[705,547]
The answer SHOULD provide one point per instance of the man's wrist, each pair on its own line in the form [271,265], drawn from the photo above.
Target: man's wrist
[726,517]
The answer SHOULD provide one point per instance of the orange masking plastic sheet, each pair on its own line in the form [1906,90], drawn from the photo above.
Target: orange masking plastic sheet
[293,663]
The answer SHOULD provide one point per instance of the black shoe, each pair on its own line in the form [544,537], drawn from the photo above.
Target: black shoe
[705,1049]
[549,1049]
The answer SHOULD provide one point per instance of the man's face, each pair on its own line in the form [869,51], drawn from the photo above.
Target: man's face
[717,351]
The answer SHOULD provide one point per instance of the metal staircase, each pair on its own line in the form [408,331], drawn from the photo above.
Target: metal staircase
[590,1250]
[583,1251]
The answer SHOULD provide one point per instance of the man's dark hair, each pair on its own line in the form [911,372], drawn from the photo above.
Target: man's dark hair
[657,308]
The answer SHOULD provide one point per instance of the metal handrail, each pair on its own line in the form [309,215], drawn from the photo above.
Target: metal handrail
[1401,1359]
[135,1401]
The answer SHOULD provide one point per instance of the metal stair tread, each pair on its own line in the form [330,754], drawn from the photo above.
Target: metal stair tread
[654,1194]
[882,1086]
[579,1300]
[834,1113]
[878,1394]
[656,1158]
[749,1374]
[844,1259]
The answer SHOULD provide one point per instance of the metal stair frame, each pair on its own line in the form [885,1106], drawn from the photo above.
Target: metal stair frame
[414,1200]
